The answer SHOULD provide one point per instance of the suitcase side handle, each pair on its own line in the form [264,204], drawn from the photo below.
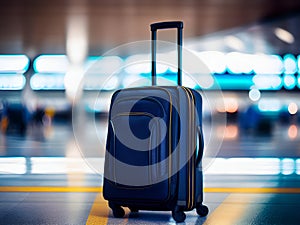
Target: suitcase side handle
[167,25]
[200,146]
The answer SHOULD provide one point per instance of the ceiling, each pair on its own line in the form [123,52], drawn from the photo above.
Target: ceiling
[276,36]
[34,27]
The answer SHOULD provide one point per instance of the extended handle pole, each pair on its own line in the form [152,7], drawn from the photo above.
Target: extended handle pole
[179,56]
[153,43]
[167,25]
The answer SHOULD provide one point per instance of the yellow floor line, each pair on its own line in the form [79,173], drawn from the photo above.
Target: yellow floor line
[252,190]
[99,189]
[228,213]
[49,189]
[99,211]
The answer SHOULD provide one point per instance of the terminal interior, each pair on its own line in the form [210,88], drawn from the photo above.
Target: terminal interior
[61,61]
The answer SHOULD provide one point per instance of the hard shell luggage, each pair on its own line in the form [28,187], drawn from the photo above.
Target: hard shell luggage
[155,145]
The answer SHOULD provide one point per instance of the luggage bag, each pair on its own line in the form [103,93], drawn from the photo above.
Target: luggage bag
[155,145]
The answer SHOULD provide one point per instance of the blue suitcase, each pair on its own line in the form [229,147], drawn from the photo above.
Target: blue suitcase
[155,145]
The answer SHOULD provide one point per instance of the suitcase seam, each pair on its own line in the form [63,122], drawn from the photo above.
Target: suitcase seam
[191,161]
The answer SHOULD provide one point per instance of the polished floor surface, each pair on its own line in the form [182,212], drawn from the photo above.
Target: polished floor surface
[46,179]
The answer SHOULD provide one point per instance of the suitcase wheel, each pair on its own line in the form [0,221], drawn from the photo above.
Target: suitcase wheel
[202,210]
[178,215]
[118,211]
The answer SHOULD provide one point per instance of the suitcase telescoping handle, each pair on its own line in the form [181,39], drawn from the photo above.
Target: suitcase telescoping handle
[167,25]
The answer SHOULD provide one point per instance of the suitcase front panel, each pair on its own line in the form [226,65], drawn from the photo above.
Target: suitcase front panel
[145,127]
[140,138]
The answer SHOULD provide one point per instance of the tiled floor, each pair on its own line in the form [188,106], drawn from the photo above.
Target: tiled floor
[47,180]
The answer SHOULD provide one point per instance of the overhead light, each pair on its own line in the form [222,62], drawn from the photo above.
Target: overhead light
[14,63]
[254,94]
[293,108]
[287,164]
[284,35]
[12,81]
[234,42]
[106,65]
[47,81]
[290,64]
[289,81]
[12,165]
[238,63]
[137,64]
[265,105]
[267,82]
[214,60]
[51,64]
[229,105]
[267,64]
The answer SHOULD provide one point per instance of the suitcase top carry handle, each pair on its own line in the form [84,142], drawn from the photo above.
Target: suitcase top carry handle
[167,25]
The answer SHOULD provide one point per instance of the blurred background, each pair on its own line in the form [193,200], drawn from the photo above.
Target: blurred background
[55,58]
[250,47]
